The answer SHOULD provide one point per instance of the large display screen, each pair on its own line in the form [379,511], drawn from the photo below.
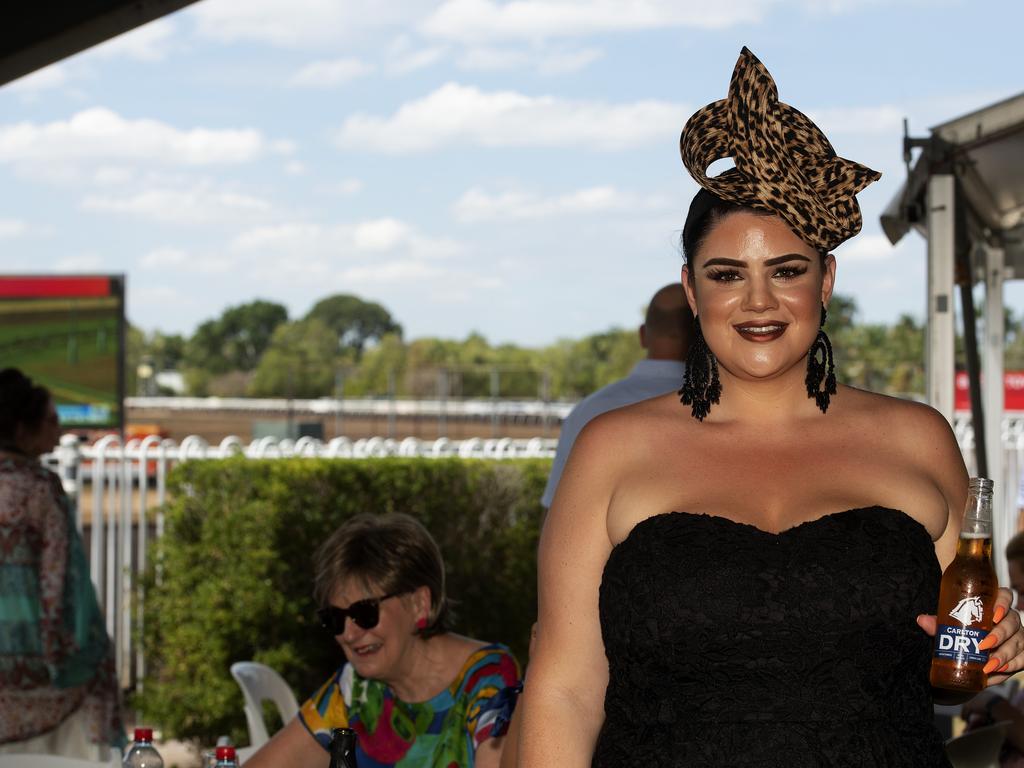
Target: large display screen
[67,333]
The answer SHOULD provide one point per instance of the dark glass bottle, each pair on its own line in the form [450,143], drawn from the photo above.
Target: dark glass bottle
[343,748]
[967,599]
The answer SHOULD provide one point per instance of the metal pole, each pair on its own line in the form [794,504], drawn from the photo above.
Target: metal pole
[391,403]
[339,395]
[545,387]
[1004,499]
[964,276]
[442,413]
[495,394]
[939,362]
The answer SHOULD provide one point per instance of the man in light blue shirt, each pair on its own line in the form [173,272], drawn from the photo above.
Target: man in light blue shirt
[666,335]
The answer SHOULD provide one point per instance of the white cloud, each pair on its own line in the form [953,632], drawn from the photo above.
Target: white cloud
[157,294]
[113,175]
[294,168]
[99,135]
[290,238]
[473,21]
[567,62]
[885,120]
[865,248]
[164,257]
[47,78]
[329,73]
[282,147]
[457,114]
[10,228]
[545,62]
[401,271]
[86,262]
[199,205]
[372,237]
[150,42]
[348,187]
[380,234]
[301,23]
[414,60]
[478,205]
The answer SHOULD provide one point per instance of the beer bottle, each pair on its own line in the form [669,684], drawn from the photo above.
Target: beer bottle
[967,599]
[343,748]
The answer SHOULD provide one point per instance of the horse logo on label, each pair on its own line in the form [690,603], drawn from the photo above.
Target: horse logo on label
[967,611]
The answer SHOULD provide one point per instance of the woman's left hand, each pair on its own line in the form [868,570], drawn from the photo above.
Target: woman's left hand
[1005,643]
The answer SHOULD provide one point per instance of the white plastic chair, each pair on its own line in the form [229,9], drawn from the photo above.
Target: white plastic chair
[260,683]
[979,748]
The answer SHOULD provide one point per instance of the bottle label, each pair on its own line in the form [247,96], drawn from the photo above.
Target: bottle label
[960,644]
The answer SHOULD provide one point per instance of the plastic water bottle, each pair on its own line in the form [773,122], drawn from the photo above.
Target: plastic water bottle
[142,753]
[226,757]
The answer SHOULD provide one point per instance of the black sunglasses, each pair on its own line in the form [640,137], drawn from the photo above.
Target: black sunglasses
[365,613]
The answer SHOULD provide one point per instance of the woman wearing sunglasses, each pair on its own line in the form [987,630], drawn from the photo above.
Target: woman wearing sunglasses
[416,693]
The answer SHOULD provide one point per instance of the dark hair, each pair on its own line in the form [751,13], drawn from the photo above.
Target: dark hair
[393,553]
[706,210]
[22,403]
[668,314]
[1015,547]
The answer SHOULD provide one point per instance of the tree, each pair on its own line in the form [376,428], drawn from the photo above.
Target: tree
[1014,341]
[300,361]
[356,322]
[236,340]
[383,364]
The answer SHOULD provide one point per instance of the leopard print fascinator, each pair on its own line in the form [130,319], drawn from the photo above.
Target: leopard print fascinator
[784,164]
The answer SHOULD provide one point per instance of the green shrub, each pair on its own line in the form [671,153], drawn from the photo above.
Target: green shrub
[236,565]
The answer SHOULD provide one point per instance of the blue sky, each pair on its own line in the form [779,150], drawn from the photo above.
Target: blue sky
[510,168]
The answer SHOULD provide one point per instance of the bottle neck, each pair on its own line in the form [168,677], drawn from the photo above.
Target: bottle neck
[977,514]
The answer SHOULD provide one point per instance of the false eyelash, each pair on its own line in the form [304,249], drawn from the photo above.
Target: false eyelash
[793,271]
[718,274]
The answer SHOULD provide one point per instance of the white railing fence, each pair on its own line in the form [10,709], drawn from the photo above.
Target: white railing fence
[119,491]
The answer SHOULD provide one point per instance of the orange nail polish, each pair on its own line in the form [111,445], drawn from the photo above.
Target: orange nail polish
[998,614]
[990,641]
[992,665]
[1005,667]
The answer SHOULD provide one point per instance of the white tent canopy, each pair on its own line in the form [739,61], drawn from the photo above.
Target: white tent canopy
[965,194]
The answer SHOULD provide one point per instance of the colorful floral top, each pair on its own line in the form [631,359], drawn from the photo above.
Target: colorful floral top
[443,732]
[55,655]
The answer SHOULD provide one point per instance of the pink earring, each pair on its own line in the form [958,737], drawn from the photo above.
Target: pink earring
[421,623]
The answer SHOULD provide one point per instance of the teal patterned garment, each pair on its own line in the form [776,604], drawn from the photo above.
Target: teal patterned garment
[55,655]
[443,732]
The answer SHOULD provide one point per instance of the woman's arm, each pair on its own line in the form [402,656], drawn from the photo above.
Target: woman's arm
[488,754]
[291,747]
[937,447]
[563,705]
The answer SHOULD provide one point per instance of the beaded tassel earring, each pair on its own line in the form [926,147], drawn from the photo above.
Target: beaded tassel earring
[701,386]
[821,374]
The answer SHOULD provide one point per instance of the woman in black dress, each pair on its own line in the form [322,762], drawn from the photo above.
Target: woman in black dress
[747,581]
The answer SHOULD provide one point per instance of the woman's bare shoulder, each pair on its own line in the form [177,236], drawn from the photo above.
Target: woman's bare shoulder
[611,445]
[918,433]
[624,426]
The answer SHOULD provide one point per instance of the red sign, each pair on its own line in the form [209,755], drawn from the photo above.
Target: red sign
[1013,391]
[35,287]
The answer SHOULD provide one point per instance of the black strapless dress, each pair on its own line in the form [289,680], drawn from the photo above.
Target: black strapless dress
[730,646]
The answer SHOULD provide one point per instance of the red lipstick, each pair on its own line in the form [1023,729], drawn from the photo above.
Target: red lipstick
[760,331]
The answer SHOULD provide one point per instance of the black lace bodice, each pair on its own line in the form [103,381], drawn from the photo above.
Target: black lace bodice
[731,646]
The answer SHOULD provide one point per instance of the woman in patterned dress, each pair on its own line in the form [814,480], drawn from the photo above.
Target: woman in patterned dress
[58,690]
[415,693]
